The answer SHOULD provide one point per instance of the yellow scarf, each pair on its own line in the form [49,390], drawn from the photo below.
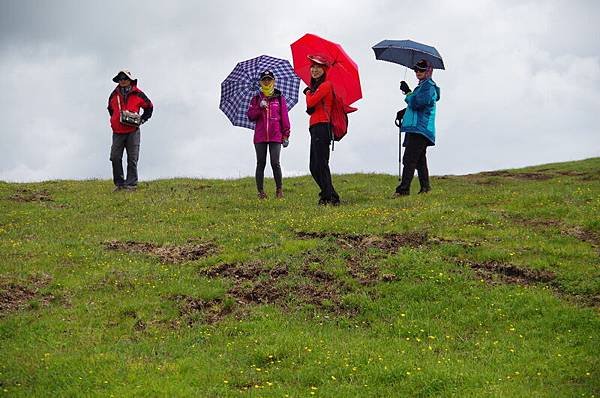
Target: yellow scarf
[267,89]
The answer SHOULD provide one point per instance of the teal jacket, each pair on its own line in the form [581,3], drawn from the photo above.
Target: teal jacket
[420,112]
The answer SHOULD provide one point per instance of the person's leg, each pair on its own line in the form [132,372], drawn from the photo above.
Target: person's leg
[132,145]
[274,156]
[423,171]
[409,163]
[314,161]
[116,158]
[324,172]
[261,162]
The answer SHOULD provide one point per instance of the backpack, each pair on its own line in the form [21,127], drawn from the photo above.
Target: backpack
[339,117]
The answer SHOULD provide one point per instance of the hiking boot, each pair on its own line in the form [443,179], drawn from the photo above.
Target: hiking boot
[335,202]
[279,193]
[425,189]
[262,195]
[401,193]
[130,188]
[323,202]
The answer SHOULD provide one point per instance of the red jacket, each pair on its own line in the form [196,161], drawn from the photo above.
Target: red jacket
[321,100]
[132,102]
[272,122]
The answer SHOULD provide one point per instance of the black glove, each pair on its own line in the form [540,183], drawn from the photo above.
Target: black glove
[307,89]
[310,110]
[404,87]
[399,116]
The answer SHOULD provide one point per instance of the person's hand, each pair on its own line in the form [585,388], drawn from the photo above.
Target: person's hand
[306,90]
[263,103]
[285,142]
[399,116]
[404,87]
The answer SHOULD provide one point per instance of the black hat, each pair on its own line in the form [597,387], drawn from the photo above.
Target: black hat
[266,74]
[421,66]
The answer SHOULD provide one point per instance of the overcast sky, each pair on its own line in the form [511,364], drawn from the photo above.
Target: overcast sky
[521,85]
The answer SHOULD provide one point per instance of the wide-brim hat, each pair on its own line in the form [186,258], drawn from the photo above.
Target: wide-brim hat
[125,72]
[319,59]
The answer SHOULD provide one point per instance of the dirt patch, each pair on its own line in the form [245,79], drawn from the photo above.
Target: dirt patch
[193,250]
[576,232]
[260,292]
[28,195]
[255,284]
[519,176]
[463,243]
[245,271]
[536,223]
[388,243]
[318,275]
[18,296]
[494,272]
[361,271]
[211,311]
[583,235]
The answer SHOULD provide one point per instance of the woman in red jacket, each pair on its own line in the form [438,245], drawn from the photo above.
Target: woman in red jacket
[269,111]
[319,100]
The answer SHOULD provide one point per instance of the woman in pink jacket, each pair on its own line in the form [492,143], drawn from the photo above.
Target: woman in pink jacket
[269,111]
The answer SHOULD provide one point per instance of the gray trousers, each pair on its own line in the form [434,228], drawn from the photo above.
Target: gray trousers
[131,143]
[261,161]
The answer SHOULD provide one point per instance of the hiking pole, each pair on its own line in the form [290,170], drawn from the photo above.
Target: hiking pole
[399,155]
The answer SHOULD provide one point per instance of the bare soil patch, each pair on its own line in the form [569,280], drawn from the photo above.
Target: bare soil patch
[495,272]
[18,296]
[193,250]
[520,176]
[388,243]
[212,311]
[28,195]
[576,232]
[582,234]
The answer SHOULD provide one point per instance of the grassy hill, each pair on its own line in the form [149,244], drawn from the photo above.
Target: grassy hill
[487,286]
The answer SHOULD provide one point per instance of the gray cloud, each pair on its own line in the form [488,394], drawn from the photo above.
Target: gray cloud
[522,84]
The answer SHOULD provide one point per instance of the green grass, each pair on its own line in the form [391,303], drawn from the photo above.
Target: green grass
[78,319]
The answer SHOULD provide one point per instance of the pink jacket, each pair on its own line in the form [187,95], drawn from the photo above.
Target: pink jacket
[272,122]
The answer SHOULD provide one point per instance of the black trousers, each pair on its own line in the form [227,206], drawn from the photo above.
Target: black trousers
[319,161]
[414,158]
[274,149]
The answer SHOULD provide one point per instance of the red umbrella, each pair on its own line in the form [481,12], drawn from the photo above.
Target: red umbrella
[343,71]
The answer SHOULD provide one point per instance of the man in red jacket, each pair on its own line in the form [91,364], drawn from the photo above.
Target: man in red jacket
[126,135]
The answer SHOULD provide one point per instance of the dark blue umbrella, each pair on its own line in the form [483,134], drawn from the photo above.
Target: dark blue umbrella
[407,53]
[242,84]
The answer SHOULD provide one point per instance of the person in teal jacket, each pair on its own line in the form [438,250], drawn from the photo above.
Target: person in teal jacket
[418,122]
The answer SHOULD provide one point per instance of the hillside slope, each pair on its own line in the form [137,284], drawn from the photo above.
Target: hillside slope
[487,286]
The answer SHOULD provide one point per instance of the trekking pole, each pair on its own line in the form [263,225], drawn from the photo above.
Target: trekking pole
[399,154]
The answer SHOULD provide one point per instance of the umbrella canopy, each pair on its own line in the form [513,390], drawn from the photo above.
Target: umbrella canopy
[342,72]
[242,84]
[407,53]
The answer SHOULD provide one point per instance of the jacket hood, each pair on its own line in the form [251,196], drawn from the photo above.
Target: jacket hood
[437,89]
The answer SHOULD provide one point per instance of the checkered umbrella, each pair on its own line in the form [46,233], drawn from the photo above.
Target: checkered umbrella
[242,84]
